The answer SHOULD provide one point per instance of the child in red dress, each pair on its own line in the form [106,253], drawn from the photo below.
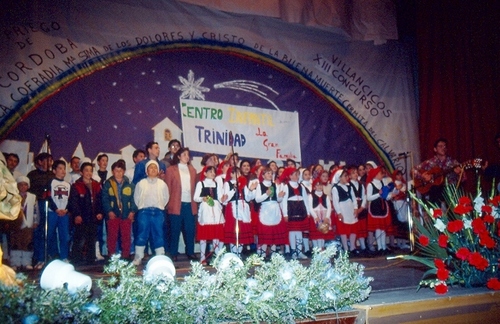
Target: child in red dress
[238,227]
[210,224]
[295,210]
[320,207]
[271,227]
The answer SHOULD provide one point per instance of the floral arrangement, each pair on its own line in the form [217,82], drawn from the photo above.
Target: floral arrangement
[278,291]
[459,245]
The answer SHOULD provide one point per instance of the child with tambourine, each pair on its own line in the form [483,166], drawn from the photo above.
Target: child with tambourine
[320,207]
[210,226]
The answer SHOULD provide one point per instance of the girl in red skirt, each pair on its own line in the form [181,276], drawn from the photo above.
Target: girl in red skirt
[362,213]
[271,227]
[379,218]
[238,227]
[210,224]
[255,179]
[345,205]
[320,224]
[294,207]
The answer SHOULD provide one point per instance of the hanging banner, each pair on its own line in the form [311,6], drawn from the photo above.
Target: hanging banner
[254,132]
[356,100]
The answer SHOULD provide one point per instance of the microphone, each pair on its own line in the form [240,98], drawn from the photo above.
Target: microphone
[404,153]
[231,139]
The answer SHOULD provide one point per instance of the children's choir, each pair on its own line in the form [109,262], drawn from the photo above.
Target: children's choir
[252,207]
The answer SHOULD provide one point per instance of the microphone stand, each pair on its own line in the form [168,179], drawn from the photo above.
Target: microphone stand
[46,229]
[237,194]
[46,225]
[411,236]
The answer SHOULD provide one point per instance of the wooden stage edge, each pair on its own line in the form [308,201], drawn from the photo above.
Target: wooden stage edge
[459,305]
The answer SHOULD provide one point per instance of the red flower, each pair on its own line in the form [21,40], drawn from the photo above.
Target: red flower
[437,213]
[463,253]
[489,219]
[487,209]
[493,283]
[477,260]
[462,209]
[464,206]
[486,240]
[464,201]
[439,263]
[478,226]
[423,240]
[443,241]
[442,274]
[441,288]
[455,226]
[495,201]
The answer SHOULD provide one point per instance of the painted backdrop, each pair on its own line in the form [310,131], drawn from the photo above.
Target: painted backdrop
[109,76]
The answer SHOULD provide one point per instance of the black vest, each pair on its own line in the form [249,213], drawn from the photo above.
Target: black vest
[209,191]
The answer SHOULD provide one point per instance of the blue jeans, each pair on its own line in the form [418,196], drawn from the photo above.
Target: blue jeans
[150,220]
[185,223]
[61,224]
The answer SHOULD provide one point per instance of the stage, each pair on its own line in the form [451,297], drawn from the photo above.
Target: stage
[394,297]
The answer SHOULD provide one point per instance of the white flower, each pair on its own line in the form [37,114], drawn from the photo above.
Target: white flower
[266,295]
[478,203]
[286,274]
[251,282]
[440,225]
[467,223]
[330,295]
[496,212]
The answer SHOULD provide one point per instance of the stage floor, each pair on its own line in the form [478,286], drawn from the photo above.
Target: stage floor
[388,275]
[394,297]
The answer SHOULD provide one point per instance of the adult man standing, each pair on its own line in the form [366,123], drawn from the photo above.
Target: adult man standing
[427,174]
[153,152]
[74,174]
[12,163]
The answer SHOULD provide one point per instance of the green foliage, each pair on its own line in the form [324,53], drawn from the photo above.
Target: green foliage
[30,304]
[460,245]
[278,291]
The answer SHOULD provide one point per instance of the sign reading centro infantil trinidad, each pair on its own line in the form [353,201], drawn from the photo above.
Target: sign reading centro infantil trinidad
[256,132]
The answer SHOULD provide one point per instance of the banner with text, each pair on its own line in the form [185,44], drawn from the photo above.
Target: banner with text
[253,132]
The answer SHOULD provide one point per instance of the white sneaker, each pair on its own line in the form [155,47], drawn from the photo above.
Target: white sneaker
[302,256]
[299,255]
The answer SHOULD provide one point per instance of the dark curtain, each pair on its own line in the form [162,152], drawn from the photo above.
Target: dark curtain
[458,51]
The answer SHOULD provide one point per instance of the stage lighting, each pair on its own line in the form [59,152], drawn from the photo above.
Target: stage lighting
[57,273]
[160,265]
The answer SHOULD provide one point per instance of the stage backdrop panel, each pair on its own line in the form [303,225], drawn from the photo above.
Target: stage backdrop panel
[109,76]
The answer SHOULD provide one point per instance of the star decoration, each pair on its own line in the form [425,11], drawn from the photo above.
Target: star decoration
[190,88]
